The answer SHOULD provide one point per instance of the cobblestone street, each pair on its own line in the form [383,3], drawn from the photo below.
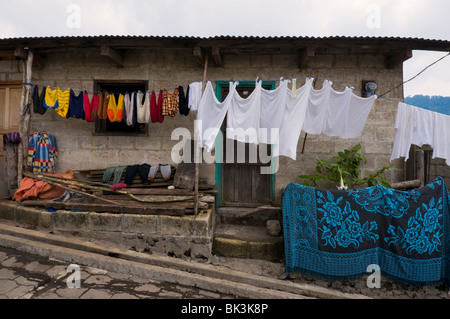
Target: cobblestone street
[24,276]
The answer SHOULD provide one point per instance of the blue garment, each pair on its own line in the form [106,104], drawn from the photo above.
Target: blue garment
[337,234]
[42,152]
[76,105]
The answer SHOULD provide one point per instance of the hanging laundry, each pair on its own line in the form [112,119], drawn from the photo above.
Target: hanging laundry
[170,103]
[333,113]
[183,103]
[147,108]
[38,100]
[50,99]
[293,120]
[101,105]
[273,107]
[42,152]
[76,105]
[90,107]
[129,103]
[11,138]
[415,125]
[156,107]
[243,116]
[63,102]
[143,107]
[115,110]
[153,108]
[103,102]
[194,95]
[211,113]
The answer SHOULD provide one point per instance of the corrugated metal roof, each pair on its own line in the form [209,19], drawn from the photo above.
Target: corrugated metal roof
[187,41]
[228,37]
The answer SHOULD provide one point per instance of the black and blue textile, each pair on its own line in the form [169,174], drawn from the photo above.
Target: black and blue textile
[337,234]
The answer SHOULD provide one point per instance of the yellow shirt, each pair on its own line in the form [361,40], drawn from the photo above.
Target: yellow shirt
[63,102]
[51,98]
[115,110]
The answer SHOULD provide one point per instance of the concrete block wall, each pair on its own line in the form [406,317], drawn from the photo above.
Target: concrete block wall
[81,149]
[179,236]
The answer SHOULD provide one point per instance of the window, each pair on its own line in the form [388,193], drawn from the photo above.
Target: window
[105,127]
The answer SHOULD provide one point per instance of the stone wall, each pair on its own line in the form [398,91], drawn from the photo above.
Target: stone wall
[81,149]
[178,236]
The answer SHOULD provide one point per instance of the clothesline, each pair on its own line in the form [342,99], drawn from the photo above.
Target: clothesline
[258,79]
[319,78]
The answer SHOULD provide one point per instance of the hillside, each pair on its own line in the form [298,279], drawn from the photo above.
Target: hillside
[435,103]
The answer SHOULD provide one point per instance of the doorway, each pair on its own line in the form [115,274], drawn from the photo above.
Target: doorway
[238,178]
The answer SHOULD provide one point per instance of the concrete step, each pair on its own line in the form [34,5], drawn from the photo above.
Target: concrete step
[244,241]
[221,279]
[229,215]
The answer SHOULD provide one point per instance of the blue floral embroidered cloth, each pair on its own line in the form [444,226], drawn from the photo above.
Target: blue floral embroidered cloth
[337,234]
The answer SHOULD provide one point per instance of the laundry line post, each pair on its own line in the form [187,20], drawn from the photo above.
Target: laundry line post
[24,114]
[196,146]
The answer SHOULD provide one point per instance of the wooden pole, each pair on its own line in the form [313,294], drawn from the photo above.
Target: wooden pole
[197,146]
[306,134]
[24,115]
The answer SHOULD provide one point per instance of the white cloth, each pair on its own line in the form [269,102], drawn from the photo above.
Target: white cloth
[195,95]
[415,125]
[210,115]
[143,107]
[293,120]
[334,113]
[243,116]
[128,102]
[273,106]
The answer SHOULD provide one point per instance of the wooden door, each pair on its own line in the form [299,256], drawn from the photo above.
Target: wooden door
[242,183]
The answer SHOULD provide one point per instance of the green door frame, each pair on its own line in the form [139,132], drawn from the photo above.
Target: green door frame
[242,84]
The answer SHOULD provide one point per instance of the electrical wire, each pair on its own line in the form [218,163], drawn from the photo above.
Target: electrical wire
[416,74]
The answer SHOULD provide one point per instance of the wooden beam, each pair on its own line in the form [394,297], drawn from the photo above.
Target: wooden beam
[304,56]
[415,183]
[7,56]
[397,57]
[24,114]
[113,55]
[197,147]
[217,56]
[198,56]
[20,53]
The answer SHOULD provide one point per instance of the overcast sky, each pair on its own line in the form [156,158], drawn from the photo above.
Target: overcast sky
[401,18]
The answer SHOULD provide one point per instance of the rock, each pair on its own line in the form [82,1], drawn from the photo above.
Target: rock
[273,227]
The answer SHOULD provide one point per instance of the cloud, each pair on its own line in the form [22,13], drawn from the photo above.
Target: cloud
[203,18]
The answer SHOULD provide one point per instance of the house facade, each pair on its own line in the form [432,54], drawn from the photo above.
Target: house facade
[128,63]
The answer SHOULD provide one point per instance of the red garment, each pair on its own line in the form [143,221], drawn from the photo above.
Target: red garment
[31,188]
[90,108]
[156,108]
[118,186]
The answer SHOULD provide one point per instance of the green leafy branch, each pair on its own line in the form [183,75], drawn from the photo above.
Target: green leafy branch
[344,169]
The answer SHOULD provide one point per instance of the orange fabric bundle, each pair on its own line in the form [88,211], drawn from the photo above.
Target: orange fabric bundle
[30,188]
